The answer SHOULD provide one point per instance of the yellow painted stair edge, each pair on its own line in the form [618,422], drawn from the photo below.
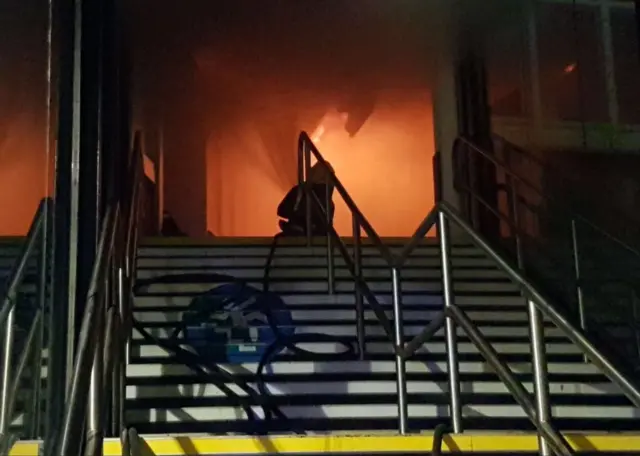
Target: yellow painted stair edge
[468,442]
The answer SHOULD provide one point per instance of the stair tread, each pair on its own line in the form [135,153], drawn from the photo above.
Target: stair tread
[323,392]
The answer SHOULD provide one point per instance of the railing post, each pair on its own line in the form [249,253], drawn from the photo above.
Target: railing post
[357,261]
[540,381]
[514,207]
[306,153]
[636,322]
[401,380]
[329,222]
[94,427]
[125,317]
[578,274]
[455,405]
[5,387]
[536,332]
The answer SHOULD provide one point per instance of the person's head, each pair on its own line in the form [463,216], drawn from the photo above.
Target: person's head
[320,172]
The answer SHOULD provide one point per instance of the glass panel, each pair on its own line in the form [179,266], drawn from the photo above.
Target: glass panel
[571,63]
[507,66]
[627,64]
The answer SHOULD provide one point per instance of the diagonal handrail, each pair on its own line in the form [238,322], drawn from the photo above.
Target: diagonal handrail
[306,144]
[105,327]
[10,380]
[576,260]
[539,304]
[508,146]
[530,187]
[306,148]
[626,383]
[19,269]
[393,329]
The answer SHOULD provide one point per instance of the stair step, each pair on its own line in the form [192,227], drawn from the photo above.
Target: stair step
[323,316]
[153,351]
[373,424]
[342,286]
[435,406]
[157,369]
[283,262]
[308,273]
[348,330]
[288,250]
[144,299]
[361,443]
[363,387]
[321,391]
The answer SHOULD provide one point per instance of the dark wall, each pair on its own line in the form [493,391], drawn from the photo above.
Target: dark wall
[603,186]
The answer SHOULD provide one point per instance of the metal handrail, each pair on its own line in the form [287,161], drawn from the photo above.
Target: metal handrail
[10,381]
[580,280]
[522,181]
[552,436]
[550,169]
[394,330]
[305,146]
[105,328]
[544,304]
[538,306]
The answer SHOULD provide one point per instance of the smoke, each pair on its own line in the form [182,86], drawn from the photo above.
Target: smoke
[23,112]
[253,74]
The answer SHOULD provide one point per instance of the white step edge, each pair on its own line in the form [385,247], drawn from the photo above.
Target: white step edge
[321,273]
[359,387]
[320,286]
[363,367]
[371,331]
[504,348]
[349,300]
[348,317]
[187,414]
[287,250]
[279,262]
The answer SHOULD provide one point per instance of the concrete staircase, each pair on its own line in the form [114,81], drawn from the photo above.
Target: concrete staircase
[334,391]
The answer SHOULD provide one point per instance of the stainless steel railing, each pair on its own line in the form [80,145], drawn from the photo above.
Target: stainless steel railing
[11,375]
[539,410]
[98,381]
[565,245]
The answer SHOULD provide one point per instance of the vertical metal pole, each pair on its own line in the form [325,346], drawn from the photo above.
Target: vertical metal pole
[401,380]
[35,408]
[536,332]
[160,179]
[125,317]
[5,387]
[472,187]
[515,219]
[578,274]
[118,337]
[117,378]
[329,221]
[540,381]
[306,153]
[455,411]
[94,409]
[357,261]
[636,322]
